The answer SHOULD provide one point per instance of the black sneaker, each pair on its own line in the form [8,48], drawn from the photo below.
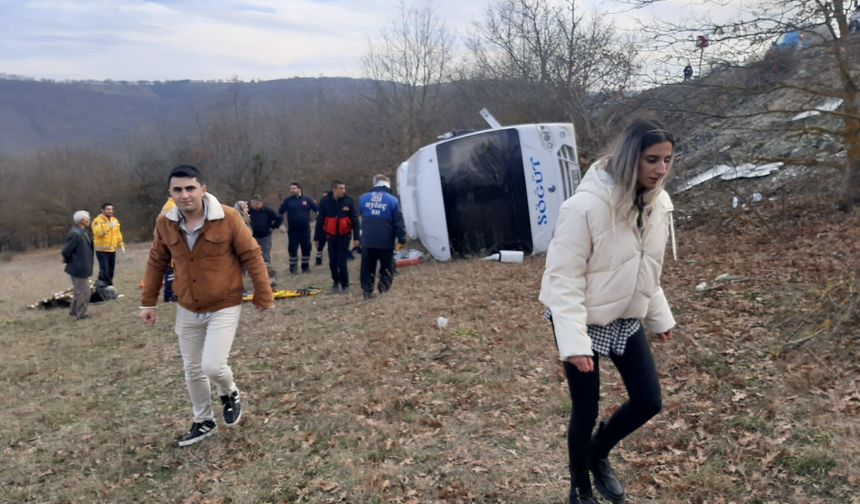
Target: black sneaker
[199,431]
[367,295]
[318,261]
[232,408]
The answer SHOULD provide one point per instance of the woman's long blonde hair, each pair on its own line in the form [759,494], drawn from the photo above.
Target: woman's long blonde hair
[622,164]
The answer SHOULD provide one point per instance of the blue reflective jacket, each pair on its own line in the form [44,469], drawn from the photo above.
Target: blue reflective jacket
[381,219]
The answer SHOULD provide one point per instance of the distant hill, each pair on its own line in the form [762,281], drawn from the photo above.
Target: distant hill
[39,114]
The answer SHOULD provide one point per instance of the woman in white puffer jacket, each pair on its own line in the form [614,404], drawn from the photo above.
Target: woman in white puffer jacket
[601,284]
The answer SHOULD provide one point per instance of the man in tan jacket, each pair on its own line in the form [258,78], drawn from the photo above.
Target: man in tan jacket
[209,245]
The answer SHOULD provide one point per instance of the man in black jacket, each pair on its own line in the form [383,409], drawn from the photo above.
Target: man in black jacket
[263,221]
[78,256]
[337,220]
[297,208]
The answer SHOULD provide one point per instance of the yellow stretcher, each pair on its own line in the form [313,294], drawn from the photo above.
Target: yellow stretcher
[287,294]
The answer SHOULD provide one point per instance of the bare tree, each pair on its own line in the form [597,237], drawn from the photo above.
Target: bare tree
[53,183]
[228,149]
[550,48]
[408,67]
[814,35]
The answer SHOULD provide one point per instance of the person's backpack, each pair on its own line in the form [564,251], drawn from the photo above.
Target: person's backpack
[103,292]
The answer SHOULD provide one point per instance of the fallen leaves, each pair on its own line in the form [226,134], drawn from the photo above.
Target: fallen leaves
[370,402]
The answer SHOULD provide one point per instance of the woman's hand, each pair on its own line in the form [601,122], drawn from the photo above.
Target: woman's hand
[665,336]
[583,363]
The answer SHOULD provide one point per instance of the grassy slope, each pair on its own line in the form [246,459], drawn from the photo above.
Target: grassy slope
[352,401]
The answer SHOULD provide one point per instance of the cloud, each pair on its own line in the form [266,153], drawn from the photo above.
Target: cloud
[189,39]
[202,39]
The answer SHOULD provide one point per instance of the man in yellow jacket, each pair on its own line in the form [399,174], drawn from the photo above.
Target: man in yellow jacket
[107,238]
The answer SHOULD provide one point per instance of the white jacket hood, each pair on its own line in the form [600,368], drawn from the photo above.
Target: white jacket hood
[597,182]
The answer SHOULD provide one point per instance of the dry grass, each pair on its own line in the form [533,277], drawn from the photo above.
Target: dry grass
[362,402]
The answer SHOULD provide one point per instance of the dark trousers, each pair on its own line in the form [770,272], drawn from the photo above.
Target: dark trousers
[168,284]
[320,247]
[637,370]
[369,259]
[107,264]
[338,250]
[265,243]
[296,239]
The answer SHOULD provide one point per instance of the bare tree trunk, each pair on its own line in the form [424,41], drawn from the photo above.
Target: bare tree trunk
[851,190]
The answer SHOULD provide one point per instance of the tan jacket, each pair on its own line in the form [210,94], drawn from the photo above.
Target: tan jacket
[208,278]
[600,268]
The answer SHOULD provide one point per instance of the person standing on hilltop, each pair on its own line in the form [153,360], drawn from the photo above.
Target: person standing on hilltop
[601,284]
[297,208]
[108,238]
[78,257]
[209,245]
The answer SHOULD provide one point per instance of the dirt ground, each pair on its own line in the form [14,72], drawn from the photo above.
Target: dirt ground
[369,402]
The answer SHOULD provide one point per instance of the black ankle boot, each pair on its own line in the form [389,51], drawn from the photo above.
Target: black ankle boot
[605,479]
[581,499]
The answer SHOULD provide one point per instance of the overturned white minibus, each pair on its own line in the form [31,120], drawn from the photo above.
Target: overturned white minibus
[490,190]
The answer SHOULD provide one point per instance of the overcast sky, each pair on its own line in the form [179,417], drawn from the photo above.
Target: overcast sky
[220,39]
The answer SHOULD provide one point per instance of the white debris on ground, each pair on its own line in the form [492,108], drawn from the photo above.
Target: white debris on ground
[719,282]
[506,256]
[828,106]
[726,172]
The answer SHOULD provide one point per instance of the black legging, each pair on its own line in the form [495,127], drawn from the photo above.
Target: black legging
[637,370]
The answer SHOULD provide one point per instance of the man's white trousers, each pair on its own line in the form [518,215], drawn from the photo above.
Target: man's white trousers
[204,341]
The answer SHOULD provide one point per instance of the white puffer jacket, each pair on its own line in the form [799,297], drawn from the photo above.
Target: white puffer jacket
[598,271]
